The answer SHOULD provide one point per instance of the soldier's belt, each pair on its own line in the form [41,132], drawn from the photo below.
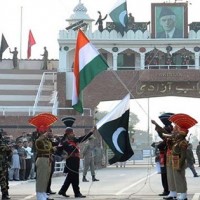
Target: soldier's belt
[43,156]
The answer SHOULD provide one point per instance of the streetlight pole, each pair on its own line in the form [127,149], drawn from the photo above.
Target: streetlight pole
[21,17]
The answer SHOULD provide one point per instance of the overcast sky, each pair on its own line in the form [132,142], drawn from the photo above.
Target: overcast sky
[46,17]
[147,109]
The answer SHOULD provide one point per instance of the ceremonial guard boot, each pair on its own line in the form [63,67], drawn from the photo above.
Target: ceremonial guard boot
[94,179]
[84,179]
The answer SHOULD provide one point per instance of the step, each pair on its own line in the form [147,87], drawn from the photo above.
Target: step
[25,87]
[24,71]
[21,76]
[22,98]
[25,76]
[25,82]
[24,109]
[25,92]
[23,103]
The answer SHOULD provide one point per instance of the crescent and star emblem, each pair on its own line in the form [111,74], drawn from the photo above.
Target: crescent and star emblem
[122,18]
[115,138]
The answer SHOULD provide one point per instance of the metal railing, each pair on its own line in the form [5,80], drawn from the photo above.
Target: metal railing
[59,166]
[28,110]
[157,67]
[170,67]
[37,98]
[55,103]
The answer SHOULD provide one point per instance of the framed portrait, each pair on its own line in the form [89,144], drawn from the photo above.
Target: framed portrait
[169,20]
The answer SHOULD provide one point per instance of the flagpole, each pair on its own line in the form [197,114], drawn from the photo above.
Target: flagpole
[21,17]
[149,131]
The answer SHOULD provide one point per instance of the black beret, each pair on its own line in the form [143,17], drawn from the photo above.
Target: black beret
[165,118]
[68,121]
[166,11]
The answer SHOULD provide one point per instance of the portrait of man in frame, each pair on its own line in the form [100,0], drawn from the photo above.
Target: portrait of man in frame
[169,20]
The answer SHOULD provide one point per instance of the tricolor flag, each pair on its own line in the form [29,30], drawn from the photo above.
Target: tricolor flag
[114,130]
[119,15]
[88,63]
[4,46]
[31,42]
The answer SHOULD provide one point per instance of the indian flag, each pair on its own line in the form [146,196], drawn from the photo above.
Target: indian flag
[88,63]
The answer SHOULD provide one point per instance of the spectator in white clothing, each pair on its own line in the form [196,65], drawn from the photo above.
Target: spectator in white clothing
[15,165]
[28,158]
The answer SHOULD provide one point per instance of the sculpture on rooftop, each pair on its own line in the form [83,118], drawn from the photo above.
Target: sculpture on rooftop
[100,21]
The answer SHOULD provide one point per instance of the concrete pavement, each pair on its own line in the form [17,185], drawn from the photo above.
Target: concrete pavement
[137,182]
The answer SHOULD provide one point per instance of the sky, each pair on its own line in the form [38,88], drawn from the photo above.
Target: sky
[46,17]
[148,109]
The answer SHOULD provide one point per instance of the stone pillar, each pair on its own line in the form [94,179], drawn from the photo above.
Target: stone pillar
[142,60]
[115,61]
[62,60]
[196,60]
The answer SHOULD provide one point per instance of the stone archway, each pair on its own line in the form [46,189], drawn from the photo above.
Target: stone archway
[114,85]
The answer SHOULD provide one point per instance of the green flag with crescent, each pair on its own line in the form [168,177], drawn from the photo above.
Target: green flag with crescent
[114,130]
[119,16]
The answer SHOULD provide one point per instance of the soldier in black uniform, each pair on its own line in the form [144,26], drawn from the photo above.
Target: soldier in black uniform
[162,146]
[69,147]
[5,155]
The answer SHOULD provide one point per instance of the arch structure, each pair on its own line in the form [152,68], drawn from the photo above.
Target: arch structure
[114,85]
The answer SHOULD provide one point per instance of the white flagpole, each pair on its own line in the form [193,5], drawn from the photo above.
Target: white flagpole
[21,17]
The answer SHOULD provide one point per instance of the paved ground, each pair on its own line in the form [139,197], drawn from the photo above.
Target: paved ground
[133,182]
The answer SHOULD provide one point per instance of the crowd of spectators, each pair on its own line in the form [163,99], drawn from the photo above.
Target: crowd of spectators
[22,163]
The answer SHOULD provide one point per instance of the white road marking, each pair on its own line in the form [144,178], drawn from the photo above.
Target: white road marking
[196,196]
[29,197]
[134,184]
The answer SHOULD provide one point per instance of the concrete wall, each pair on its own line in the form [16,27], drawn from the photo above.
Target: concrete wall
[28,64]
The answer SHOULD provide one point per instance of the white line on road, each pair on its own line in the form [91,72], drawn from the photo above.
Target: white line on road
[196,196]
[134,184]
[29,197]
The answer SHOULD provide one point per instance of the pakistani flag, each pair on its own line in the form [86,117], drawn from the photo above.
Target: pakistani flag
[4,46]
[119,15]
[114,131]
[88,63]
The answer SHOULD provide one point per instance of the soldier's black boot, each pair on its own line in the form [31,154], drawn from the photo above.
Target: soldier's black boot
[5,196]
[84,179]
[94,179]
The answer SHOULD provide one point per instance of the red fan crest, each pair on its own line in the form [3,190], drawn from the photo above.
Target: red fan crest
[43,121]
[183,120]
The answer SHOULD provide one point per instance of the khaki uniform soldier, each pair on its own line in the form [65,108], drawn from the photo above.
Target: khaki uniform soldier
[88,156]
[179,151]
[5,153]
[45,59]
[15,58]
[44,152]
[198,153]
[168,138]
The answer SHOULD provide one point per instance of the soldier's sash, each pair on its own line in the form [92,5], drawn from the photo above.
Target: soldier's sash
[162,159]
[168,158]
[175,162]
